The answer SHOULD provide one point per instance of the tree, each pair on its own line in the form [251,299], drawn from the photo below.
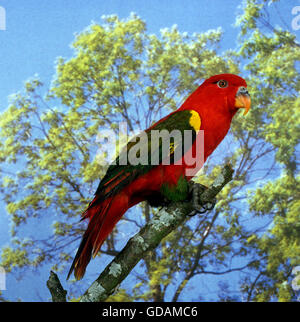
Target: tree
[121,73]
[271,54]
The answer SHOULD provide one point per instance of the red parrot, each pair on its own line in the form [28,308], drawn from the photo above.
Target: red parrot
[210,108]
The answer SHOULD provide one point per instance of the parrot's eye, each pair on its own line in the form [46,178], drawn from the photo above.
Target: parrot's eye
[222,83]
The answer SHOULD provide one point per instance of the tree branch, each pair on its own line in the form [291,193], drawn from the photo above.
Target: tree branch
[147,239]
[57,292]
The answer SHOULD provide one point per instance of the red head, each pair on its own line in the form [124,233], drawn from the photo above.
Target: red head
[223,93]
[216,101]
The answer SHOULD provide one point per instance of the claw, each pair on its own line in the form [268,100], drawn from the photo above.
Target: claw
[196,189]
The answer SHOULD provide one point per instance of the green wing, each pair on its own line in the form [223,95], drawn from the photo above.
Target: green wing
[149,149]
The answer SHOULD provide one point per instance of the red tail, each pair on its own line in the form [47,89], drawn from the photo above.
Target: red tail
[102,216]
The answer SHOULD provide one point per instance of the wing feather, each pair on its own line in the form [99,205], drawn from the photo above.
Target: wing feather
[118,176]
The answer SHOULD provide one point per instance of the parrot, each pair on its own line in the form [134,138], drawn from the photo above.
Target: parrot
[208,110]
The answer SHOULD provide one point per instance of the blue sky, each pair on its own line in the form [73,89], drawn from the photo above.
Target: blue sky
[39,31]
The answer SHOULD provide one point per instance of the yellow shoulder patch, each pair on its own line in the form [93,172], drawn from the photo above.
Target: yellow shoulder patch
[172,147]
[195,120]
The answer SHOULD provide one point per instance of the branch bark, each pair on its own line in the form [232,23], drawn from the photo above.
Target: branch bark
[57,292]
[147,239]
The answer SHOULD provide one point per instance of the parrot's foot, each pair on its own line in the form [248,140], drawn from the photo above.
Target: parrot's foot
[196,189]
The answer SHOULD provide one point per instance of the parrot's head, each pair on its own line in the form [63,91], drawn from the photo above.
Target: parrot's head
[228,91]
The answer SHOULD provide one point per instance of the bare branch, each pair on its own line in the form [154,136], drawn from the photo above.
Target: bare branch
[57,292]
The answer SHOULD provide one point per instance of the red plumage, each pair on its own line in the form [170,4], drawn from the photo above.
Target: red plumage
[216,106]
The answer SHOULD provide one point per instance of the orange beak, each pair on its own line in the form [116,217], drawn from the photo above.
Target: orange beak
[243,100]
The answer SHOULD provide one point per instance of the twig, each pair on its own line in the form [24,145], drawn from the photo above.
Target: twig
[57,292]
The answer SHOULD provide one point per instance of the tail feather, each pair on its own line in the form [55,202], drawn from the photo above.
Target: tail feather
[102,216]
[101,234]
